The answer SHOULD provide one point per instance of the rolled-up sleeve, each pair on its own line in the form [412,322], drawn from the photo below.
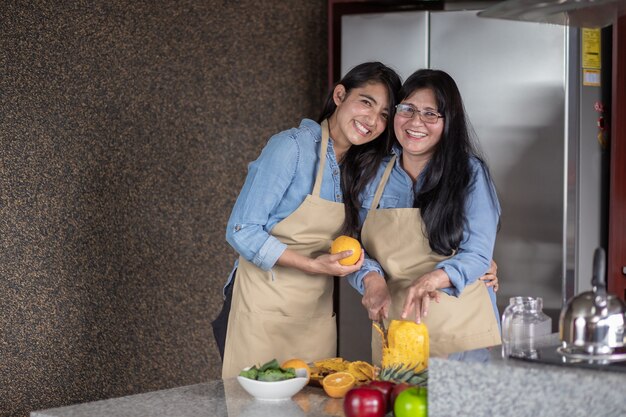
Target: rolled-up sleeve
[474,255]
[356,278]
[265,185]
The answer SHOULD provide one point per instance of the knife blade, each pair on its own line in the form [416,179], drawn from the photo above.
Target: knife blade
[380,323]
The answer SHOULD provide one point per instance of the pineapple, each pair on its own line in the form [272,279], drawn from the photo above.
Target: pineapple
[405,353]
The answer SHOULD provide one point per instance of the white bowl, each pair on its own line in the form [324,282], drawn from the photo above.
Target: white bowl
[274,391]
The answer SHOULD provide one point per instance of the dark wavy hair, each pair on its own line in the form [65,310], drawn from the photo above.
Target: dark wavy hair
[359,163]
[448,174]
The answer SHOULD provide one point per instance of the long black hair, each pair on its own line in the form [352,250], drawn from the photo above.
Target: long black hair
[359,163]
[448,174]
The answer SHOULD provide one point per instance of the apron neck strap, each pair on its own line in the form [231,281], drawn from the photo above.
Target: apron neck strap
[320,171]
[383,182]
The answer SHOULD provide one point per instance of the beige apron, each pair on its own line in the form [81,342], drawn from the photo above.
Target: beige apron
[393,238]
[286,313]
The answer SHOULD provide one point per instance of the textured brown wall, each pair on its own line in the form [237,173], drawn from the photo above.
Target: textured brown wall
[125,131]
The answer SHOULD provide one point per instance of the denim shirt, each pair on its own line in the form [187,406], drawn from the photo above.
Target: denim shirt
[277,183]
[473,257]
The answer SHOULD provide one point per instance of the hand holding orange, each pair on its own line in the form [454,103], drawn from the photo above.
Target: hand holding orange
[343,243]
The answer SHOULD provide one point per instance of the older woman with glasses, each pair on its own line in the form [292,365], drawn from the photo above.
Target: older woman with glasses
[430,219]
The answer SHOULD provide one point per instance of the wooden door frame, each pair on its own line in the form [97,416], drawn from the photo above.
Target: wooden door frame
[616,262]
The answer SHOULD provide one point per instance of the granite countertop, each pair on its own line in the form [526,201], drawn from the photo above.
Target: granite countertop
[214,398]
[522,388]
[511,388]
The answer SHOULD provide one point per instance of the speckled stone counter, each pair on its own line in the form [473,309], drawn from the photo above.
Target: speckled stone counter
[214,398]
[515,388]
[503,388]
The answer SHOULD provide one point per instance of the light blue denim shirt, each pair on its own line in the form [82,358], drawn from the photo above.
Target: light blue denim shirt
[474,255]
[278,181]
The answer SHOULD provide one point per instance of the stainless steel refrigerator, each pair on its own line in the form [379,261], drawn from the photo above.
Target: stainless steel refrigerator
[536,120]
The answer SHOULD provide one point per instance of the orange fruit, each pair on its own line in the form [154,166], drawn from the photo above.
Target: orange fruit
[296,363]
[346,243]
[338,384]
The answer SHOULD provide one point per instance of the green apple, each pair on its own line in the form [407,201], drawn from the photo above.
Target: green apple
[412,402]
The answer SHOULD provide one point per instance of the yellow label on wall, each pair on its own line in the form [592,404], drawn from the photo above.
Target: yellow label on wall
[591,48]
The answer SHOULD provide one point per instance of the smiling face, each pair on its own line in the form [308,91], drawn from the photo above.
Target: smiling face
[361,115]
[418,139]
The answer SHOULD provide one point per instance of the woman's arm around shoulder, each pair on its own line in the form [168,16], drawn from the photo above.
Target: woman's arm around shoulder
[482,210]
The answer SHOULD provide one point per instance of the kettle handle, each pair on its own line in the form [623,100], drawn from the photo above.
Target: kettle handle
[599,266]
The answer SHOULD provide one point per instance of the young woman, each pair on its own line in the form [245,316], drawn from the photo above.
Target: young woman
[290,209]
[431,217]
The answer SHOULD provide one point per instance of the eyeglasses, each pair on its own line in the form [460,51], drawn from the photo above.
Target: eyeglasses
[408,111]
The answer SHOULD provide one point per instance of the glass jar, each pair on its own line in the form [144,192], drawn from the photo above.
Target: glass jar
[524,326]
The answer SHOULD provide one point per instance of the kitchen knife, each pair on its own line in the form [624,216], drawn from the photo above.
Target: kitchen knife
[380,324]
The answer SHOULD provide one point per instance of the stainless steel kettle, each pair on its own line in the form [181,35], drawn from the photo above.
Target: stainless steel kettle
[593,322]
